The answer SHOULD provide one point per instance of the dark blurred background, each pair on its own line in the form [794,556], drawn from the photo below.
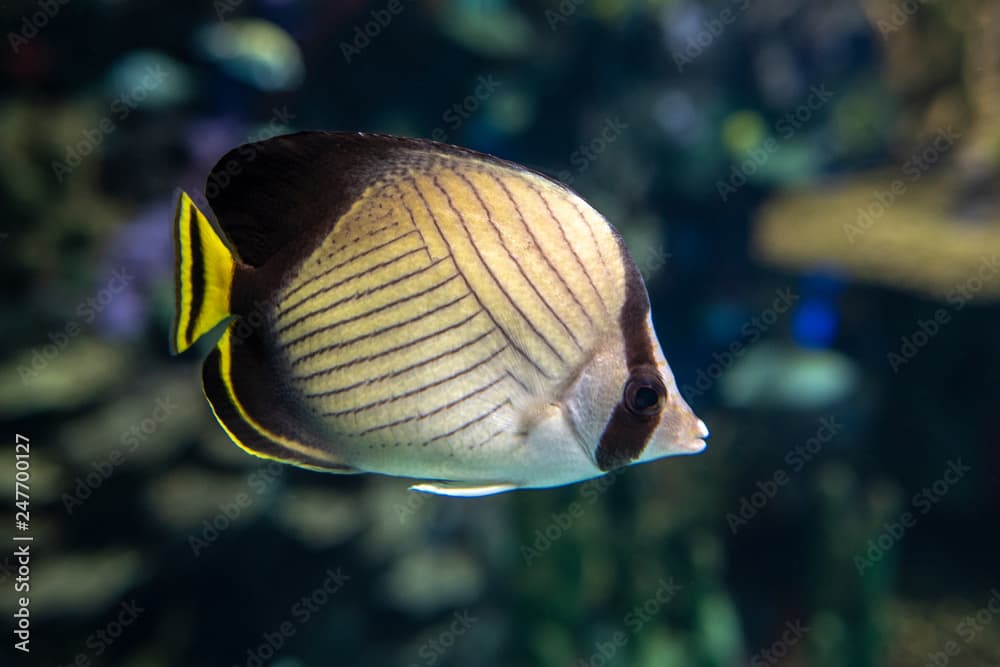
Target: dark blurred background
[810,189]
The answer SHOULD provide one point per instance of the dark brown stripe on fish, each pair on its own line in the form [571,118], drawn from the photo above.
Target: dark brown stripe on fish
[344,246]
[488,438]
[500,285]
[469,423]
[438,410]
[565,238]
[397,373]
[351,297]
[545,257]
[409,212]
[377,332]
[197,272]
[515,260]
[624,438]
[593,237]
[479,302]
[381,353]
[373,311]
[626,434]
[340,265]
[413,392]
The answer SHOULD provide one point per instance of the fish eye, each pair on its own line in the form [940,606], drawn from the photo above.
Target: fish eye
[644,394]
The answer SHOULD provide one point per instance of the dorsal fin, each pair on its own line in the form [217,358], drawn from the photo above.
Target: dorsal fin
[267,194]
[272,193]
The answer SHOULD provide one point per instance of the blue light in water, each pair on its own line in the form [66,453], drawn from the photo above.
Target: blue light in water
[814,323]
[825,280]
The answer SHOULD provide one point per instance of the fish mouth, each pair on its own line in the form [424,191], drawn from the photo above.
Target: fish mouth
[697,443]
[695,446]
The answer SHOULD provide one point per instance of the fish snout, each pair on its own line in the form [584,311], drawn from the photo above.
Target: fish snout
[692,431]
[694,437]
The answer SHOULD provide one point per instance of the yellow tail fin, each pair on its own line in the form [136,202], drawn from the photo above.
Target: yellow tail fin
[203,276]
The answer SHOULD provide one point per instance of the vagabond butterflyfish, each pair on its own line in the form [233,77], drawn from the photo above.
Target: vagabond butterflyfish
[410,308]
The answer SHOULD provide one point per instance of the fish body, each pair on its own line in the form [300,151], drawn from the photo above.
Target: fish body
[410,308]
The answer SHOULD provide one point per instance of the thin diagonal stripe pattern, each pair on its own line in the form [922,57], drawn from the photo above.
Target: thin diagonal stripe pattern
[445,298]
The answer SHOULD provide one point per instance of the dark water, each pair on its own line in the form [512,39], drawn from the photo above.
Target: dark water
[809,189]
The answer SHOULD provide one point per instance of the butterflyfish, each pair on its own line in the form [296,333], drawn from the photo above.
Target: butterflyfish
[410,308]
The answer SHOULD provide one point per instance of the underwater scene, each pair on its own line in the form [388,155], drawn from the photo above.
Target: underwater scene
[488,333]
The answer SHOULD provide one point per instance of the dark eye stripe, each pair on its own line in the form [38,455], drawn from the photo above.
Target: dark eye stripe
[626,434]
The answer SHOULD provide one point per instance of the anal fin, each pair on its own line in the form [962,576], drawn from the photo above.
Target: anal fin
[240,385]
[463,489]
